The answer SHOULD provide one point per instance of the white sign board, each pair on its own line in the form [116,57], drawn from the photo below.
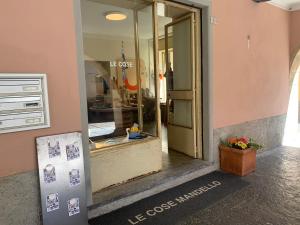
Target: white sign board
[62,179]
[23,102]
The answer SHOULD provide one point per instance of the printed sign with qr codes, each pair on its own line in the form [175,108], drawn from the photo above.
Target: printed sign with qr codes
[62,179]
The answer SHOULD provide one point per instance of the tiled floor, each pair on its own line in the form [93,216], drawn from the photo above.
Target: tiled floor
[171,159]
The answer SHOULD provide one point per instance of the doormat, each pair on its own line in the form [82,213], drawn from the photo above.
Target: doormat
[170,206]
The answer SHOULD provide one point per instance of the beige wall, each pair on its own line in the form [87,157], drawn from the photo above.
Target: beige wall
[252,83]
[38,37]
[294,33]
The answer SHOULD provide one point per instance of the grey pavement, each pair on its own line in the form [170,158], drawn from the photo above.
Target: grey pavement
[272,198]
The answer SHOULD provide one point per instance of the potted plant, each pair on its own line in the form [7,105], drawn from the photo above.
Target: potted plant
[238,155]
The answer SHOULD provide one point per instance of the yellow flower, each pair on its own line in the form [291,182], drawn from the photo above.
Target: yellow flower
[242,145]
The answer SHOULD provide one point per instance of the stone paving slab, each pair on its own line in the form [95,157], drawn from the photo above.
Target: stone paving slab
[272,198]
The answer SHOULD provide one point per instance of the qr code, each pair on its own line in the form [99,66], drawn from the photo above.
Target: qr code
[52,202]
[73,206]
[74,177]
[49,174]
[72,151]
[53,149]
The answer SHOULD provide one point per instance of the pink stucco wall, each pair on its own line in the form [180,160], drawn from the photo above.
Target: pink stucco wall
[249,84]
[252,83]
[294,33]
[38,37]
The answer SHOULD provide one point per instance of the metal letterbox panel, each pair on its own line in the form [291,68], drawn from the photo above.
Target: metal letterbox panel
[23,102]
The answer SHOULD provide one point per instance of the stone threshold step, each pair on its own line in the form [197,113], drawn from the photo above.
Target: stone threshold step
[120,196]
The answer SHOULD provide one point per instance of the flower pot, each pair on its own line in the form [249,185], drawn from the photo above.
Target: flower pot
[238,162]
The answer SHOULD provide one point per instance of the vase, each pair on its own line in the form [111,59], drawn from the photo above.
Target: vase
[236,161]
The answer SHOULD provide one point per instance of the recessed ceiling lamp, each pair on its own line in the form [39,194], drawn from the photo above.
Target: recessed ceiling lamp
[115,16]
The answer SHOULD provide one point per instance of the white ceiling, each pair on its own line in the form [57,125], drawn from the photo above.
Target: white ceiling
[287,4]
[94,22]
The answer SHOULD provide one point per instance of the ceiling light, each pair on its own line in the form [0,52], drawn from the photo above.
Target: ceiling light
[115,16]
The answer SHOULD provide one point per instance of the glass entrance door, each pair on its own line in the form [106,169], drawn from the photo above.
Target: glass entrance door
[180,73]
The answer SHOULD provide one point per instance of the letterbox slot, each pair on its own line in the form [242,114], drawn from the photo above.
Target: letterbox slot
[32,105]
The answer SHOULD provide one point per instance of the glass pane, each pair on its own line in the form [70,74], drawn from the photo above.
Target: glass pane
[180,113]
[110,66]
[179,73]
[148,85]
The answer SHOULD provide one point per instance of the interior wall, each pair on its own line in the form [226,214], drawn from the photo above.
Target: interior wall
[106,48]
[101,48]
[39,37]
[294,33]
[251,80]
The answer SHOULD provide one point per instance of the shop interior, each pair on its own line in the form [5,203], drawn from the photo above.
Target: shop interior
[121,96]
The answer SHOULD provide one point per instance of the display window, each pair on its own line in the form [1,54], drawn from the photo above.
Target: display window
[119,71]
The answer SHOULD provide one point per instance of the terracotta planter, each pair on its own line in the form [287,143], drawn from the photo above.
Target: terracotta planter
[238,162]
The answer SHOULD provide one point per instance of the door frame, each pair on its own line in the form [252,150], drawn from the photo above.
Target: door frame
[209,153]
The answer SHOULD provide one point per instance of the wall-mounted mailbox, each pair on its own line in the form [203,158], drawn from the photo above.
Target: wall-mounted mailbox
[23,102]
